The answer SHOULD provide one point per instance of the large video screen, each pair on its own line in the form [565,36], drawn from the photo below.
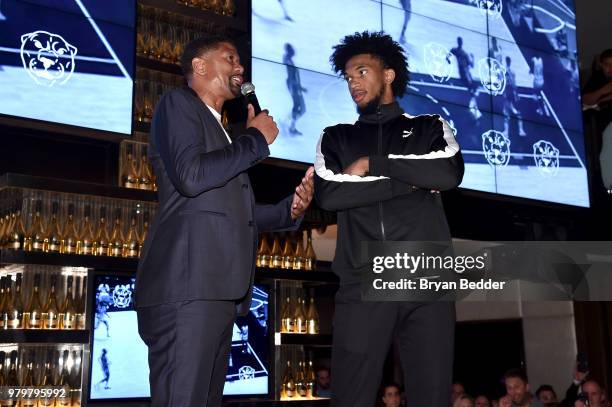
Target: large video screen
[503,73]
[68,61]
[119,366]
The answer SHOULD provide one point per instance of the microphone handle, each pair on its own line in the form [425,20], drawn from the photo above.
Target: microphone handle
[252,99]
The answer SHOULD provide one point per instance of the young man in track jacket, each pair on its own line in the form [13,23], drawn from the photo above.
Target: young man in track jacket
[378,174]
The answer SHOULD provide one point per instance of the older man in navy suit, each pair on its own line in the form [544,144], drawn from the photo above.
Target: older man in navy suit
[197,266]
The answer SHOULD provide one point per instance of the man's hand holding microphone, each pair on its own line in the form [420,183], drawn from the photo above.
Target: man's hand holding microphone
[257,118]
[262,122]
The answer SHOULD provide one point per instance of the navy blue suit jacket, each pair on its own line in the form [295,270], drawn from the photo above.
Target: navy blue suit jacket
[202,242]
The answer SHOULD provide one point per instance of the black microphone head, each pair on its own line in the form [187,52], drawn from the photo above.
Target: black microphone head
[247,88]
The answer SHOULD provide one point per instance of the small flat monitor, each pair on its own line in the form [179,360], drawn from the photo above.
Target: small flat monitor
[119,367]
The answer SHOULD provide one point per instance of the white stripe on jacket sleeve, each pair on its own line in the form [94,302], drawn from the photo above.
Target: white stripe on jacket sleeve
[452,147]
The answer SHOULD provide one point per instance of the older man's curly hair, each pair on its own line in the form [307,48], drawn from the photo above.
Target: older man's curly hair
[379,45]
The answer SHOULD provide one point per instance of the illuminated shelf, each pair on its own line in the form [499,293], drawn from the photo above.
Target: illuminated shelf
[8,256]
[141,127]
[235,25]
[319,340]
[43,336]
[155,65]
[303,401]
[322,274]
[315,399]
[10,180]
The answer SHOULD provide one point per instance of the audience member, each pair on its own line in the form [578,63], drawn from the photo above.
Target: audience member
[464,401]
[323,382]
[482,401]
[591,396]
[517,388]
[546,395]
[391,395]
[457,390]
[505,401]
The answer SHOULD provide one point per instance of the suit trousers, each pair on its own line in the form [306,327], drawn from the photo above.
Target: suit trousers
[362,336]
[189,344]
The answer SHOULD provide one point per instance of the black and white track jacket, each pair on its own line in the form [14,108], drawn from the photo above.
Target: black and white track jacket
[409,156]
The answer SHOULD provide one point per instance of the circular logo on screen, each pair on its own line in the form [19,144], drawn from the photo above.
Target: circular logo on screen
[437,61]
[122,296]
[546,157]
[496,148]
[492,75]
[48,58]
[246,372]
[492,8]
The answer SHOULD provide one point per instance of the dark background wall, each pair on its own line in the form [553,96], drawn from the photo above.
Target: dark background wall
[594,30]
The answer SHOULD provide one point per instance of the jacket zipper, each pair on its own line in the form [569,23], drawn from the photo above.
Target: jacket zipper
[380,204]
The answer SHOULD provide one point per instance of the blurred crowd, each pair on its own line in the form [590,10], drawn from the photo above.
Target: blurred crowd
[583,391]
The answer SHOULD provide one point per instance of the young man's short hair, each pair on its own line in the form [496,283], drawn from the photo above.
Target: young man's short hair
[379,45]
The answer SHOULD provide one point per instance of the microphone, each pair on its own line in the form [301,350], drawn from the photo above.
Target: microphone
[248,90]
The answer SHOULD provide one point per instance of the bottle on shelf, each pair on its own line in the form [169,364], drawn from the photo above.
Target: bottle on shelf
[2,298]
[15,230]
[288,383]
[53,237]
[148,100]
[229,8]
[33,315]
[71,239]
[129,178]
[145,181]
[311,380]
[131,243]
[36,236]
[5,219]
[265,254]
[277,254]
[75,379]
[14,314]
[51,310]
[12,380]
[63,382]
[310,258]
[287,317]
[4,396]
[298,262]
[102,240]
[7,300]
[12,376]
[299,317]
[68,310]
[138,89]
[29,381]
[81,304]
[46,381]
[115,247]
[87,236]
[287,263]
[145,230]
[300,380]
[312,317]
[2,289]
